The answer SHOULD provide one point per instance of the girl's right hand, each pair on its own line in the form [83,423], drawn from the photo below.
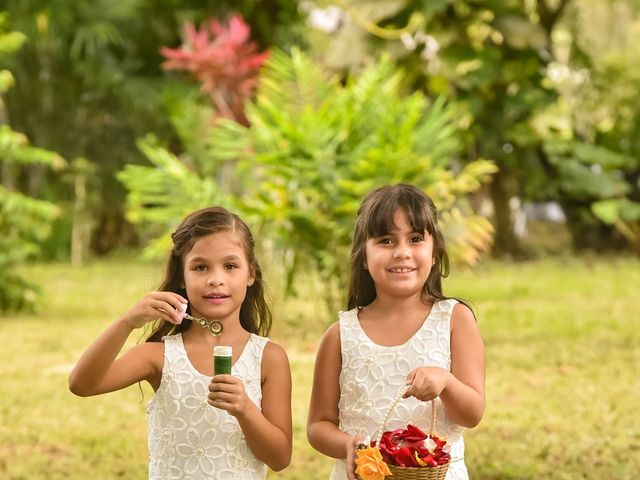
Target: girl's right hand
[351,456]
[154,305]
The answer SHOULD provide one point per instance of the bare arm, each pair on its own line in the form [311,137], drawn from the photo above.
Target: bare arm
[464,396]
[268,432]
[98,371]
[323,420]
[462,389]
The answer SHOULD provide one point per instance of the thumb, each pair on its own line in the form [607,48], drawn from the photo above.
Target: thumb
[409,382]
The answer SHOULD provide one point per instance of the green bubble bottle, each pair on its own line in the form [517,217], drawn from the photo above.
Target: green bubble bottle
[222,356]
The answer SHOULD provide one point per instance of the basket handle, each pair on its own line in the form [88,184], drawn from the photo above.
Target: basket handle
[392,406]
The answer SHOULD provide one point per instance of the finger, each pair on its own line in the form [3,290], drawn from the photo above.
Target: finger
[225,388]
[174,300]
[167,310]
[179,297]
[409,391]
[224,379]
[165,315]
[219,404]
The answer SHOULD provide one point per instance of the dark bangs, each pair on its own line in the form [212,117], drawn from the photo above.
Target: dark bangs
[380,221]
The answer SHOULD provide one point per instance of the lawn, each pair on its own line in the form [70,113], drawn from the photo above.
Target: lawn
[563,358]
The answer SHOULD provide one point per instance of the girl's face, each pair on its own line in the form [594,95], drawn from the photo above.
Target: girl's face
[400,262]
[217,275]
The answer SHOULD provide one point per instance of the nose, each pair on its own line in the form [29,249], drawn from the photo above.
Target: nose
[215,279]
[401,251]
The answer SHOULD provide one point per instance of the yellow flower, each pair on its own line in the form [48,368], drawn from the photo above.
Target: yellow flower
[370,464]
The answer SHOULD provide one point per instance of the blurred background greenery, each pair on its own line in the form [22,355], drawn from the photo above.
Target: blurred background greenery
[519,117]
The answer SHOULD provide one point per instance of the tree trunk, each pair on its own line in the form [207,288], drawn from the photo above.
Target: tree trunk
[505,242]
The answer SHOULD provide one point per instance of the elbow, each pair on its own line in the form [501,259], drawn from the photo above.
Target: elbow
[311,437]
[280,463]
[470,422]
[73,388]
[76,388]
[471,419]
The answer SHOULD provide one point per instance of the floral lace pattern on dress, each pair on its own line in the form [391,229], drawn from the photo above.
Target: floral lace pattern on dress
[188,438]
[372,375]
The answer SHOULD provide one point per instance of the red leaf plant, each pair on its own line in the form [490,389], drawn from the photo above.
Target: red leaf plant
[223,59]
[411,447]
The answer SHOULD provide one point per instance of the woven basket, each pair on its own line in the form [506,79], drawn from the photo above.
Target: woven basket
[415,473]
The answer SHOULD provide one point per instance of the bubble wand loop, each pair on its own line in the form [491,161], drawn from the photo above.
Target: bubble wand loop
[215,326]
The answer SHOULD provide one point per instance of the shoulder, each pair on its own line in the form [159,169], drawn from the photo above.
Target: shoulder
[330,345]
[461,314]
[332,334]
[463,322]
[275,364]
[274,354]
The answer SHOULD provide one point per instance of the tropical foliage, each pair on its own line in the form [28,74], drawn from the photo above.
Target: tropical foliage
[24,221]
[314,147]
[90,84]
[532,77]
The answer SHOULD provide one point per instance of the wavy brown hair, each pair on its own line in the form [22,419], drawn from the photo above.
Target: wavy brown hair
[375,219]
[255,314]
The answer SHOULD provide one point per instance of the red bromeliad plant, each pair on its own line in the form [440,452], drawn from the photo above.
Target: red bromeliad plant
[223,59]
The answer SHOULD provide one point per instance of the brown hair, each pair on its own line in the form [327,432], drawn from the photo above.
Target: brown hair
[255,315]
[375,219]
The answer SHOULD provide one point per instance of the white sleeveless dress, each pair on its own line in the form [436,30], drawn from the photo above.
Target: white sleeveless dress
[188,438]
[372,375]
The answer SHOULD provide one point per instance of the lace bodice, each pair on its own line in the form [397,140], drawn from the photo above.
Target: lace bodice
[188,438]
[372,375]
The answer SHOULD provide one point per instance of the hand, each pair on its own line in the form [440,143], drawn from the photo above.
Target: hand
[227,393]
[351,456]
[154,305]
[426,383]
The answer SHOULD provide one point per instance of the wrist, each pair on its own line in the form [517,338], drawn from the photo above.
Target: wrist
[126,323]
[248,409]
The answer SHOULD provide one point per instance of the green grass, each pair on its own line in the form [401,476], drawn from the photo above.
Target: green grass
[563,377]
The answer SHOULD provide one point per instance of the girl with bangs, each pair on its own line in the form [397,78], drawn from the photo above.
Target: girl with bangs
[400,335]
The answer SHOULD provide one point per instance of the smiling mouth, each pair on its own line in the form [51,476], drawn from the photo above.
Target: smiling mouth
[401,269]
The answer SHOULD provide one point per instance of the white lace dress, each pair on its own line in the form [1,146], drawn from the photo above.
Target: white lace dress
[372,376]
[188,438]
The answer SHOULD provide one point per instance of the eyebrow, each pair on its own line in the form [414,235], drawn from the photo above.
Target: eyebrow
[225,259]
[395,232]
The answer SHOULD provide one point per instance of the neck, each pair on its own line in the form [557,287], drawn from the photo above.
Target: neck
[399,306]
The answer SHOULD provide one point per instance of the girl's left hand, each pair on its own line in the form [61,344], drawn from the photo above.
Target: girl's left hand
[227,392]
[426,383]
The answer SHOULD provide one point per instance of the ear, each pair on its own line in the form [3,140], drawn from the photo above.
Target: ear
[364,266]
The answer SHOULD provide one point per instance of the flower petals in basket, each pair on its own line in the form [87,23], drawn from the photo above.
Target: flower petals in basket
[408,453]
